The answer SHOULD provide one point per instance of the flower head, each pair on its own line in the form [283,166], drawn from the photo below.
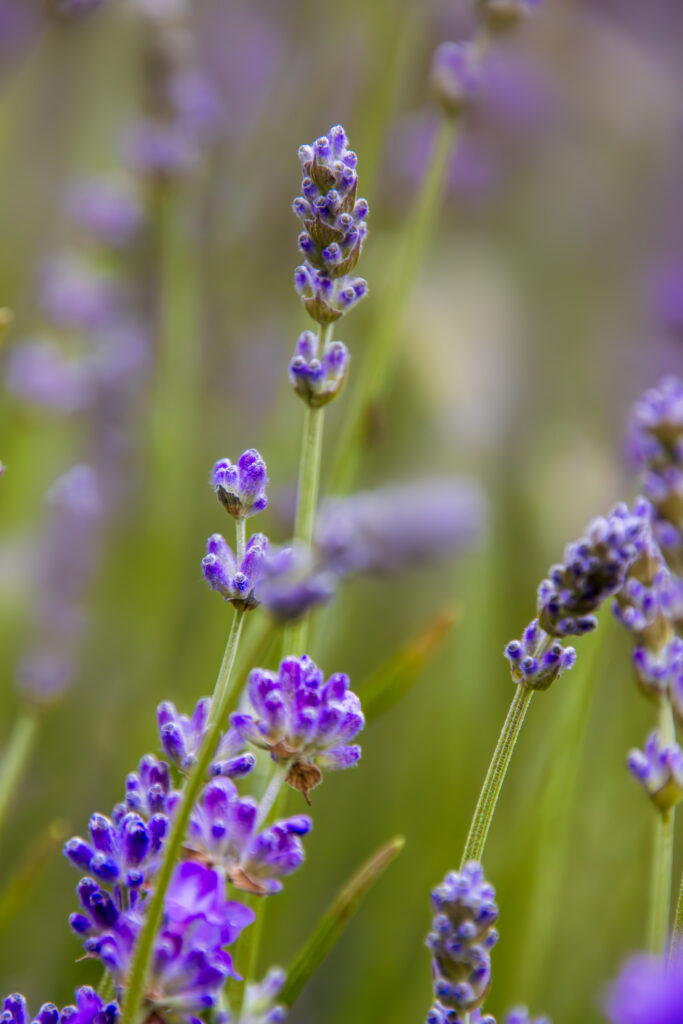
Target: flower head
[648,991]
[182,736]
[455,76]
[89,1008]
[241,487]
[148,790]
[303,720]
[224,830]
[123,852]
[236,583]
[107,209]
[659,769]
[660,673]
[318,376]
[462,937]
[533,665]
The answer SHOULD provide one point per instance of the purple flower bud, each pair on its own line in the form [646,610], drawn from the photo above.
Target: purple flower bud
[236,584]
[659,769]
[241,488]
[455,76]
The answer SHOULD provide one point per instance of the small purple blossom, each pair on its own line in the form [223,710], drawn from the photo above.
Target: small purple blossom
[241,487]
[439,1014]
[182,737]
[107,209]
[660,673]
[224,830]
[461,939]
[76,296]
[593,570]
[40,373]
[235,583]
[455,76]
[659,769]
[148,790]
[534,666]
[122,852]
[292,583]
[303,720]
[318,376]
[89,1008]
[649,990]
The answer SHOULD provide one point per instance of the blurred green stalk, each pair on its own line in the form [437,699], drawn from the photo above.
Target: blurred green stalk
[224,692]
[13,763]
[662,855]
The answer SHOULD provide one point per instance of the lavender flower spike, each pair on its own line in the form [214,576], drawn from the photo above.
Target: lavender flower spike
[593,570]
[333,219]
[292,583]
[88,1009]
[241,488]
[223,831]
[183,735]
[236,583]
[659,769]
[649,990]
[302,720]
[318,375]
[533,669]
[455,76]
[461,939]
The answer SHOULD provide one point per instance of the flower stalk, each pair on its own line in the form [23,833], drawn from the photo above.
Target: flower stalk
[662,855]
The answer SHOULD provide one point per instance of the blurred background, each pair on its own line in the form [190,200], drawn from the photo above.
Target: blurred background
[148,158]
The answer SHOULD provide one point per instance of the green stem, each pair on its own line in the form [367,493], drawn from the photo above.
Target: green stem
[678,923]
[16,755]
[662,856]
[220,706]
[488,798]
[241,535]
[271,793]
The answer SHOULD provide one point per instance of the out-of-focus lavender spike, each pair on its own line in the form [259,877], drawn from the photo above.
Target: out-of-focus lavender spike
[292,583]
[39,373]
[76,296]
[455,76]
[659,769]
[649,990]
[108,209]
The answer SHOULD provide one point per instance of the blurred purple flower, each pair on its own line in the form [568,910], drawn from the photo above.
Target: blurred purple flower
[40,373]
[649,990]
[72,294]
[107,209]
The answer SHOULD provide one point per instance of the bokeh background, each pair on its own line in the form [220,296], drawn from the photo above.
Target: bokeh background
[549,296]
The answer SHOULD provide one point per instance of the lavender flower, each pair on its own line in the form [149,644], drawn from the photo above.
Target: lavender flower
[189,965]
[182,737]
[122,852]
[455,76]
[241,488]
[163,150]
[236,583]
[292,583]
[378,531]
[660,673]
[334,228]
[503,15]
[649,990]
[148,791]
[224,830]
[532,665]
[659,769]
[593,570]
[318,376]
[644,603]
[259,1006]
[461,940]
[75,296]
[107,209]
[302,720]
[89,1009]
[40,373]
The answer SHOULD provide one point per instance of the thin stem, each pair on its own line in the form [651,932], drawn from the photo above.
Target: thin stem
[662,856]
[240,533]
[271,793]
[16,755]
[678,923]
[223,694]
[488,798]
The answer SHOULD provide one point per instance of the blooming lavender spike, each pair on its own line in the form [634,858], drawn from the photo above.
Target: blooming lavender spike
[455,76]
[649,990]
[333,219]
[502,15]
[241,488]
[660,673]
[534,666]
[318,376]
[236,584]
[107,209]
[183,735]
[89,1008]
[644,603]
[223,830]
[659,769]
[292,583]
[593,570]
[461,939]
[302,720]
[189,964]
[124,851]
[148,791]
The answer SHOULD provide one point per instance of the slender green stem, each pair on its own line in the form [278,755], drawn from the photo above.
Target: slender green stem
[16,755]
[271,793]
[678,923]
[662,856]
[223,695]
[240,532]
[488,798]
[106,989]
[295,635]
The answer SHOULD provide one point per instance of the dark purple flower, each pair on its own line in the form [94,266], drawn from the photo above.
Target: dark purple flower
[241,487]
[183,735]
[124,852]
[659,769]
[534,666]
[148,790]
[379,531]
[224,830]
[235,583]
[292,584]
[302,720]
[443,1015]
[461,940]
[649,990]
[318,376]
[455,76]
[594,569]
[88,1009]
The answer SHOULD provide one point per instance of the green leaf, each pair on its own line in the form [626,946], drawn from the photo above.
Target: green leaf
[333,922]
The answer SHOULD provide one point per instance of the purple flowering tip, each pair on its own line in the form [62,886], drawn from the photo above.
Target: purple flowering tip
[195,893]
[659,769]
[40,373]
[89,1008]
[455,76]
[318,374]
[236,584]
[532,665]
[241,488]
[648,990]
[107,209]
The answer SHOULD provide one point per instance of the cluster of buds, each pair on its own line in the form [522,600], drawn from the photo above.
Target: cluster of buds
[235,581]
[241,487]
[535,665]
[317,370]
[659,769]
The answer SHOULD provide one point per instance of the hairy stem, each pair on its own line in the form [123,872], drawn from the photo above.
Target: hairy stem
[223,695]
[16,756]
[662,856]
[271,794]
[678,923]
[488,798]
